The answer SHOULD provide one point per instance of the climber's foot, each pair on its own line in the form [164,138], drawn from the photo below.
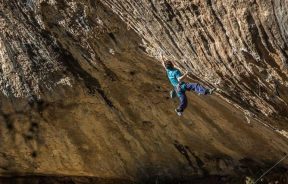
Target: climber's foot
[178,112]
[210,91]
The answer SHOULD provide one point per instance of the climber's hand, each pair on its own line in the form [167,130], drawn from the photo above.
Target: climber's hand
[182,77]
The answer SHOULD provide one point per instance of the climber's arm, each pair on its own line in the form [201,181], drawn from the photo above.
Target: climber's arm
[180,77]
[162,61]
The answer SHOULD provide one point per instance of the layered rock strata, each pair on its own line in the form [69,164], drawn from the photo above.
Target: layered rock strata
[83,92]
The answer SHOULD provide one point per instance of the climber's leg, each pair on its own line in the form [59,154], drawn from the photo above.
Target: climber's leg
[183,103]
[197,88]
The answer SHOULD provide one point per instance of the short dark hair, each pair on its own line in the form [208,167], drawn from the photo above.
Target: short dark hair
[169,64]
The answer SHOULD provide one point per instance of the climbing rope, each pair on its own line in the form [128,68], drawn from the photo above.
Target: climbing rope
[271,168]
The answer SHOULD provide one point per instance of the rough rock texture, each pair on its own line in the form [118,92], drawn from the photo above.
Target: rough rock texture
[83,93]
[238,46]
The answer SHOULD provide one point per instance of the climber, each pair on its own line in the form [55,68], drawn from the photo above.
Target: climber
[180,87]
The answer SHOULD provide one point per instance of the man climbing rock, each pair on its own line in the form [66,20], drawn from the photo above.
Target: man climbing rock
[180,87]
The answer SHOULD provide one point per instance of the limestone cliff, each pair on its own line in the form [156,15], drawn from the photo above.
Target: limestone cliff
[83,92]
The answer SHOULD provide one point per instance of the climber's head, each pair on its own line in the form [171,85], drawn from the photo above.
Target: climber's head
[169,65]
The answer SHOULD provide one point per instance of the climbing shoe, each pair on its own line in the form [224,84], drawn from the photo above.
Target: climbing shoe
[210,91]
[178,113]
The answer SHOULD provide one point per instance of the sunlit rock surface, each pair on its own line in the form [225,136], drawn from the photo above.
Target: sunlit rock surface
[83,92]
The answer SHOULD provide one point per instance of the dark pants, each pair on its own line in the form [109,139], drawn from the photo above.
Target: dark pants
[188,87]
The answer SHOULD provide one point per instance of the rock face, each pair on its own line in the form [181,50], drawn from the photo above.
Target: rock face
[239,46]
[83,93]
